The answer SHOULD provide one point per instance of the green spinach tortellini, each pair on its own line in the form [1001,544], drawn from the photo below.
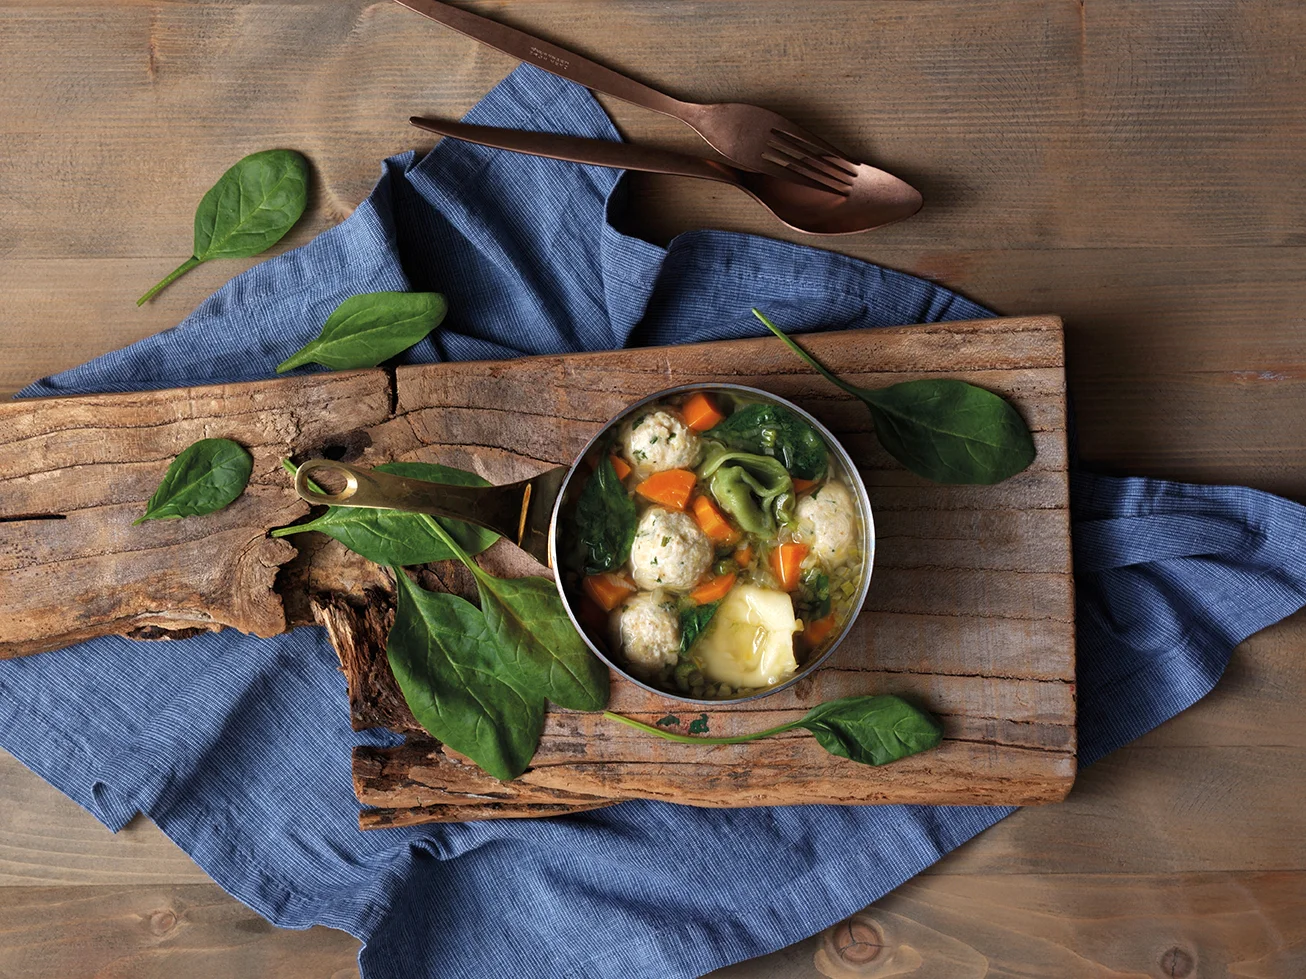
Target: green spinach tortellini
[756,490]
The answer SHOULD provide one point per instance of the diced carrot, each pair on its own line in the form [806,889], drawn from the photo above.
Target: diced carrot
[803,485]
[744,555]
[608,590]
[818,630]
[711,520]
[621,466]
[785,562]
[700,413]
[671,488]
[714,589]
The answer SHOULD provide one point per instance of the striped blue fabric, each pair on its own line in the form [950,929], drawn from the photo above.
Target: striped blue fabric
[239,748]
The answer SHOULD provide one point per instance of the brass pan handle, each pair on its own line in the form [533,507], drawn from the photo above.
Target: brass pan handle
[518,511]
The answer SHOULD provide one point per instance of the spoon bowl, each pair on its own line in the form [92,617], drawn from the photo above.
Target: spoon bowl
[876,198]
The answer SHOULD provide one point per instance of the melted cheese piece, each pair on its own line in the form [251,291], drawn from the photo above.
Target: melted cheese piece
[750,641]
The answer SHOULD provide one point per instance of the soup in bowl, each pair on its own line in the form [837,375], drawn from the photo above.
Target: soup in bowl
[713,542]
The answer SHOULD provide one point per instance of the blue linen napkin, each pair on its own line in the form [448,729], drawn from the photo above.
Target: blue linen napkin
[239,748]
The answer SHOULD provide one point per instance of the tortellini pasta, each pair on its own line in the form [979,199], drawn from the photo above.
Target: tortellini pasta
[750,642]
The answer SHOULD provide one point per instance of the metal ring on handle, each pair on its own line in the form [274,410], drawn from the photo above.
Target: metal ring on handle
[307,491]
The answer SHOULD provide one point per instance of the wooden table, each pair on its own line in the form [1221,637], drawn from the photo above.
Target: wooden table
[1135,167]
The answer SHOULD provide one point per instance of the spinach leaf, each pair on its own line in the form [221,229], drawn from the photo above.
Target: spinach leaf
[446,661]
[370,328]
[946,430]
[208,475]
[605,520]
[542,652]
[395,538]
[693,621]
[870,730]
[247,211]
[774,430]
[755,489]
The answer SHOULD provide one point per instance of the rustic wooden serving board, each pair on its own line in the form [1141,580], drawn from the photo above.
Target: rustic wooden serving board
[970,608]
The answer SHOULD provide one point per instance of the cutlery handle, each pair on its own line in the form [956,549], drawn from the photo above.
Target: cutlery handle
[517,511]
[577,149]
[550,57]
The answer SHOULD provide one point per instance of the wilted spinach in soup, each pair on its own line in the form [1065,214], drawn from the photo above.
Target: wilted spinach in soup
[717,546]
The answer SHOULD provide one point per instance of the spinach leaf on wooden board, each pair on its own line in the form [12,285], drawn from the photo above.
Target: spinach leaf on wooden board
[247,211]
[693,621]
[395,538]
[947,431]
[542,651]
[774,430]
[446,661]
[605,520]
[870,730]
[208,475]
[370,328]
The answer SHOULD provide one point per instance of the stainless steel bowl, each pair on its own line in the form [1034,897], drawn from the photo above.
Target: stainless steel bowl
[857,487]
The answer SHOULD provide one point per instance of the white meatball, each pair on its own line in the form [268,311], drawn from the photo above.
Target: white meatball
[659,440]
[669,550]
[827,520]
[647,629]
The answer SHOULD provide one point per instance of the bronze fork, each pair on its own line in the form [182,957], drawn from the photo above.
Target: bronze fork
[749,136]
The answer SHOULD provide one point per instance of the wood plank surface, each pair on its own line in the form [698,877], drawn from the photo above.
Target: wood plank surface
[76,472]
[1131,166]
[1000,581]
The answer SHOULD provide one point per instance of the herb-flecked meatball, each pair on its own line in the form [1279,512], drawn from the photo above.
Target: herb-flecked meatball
[659,440]
[827,519]
[669,551]
[647,630]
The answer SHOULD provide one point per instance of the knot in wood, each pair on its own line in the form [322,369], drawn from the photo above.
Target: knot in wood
[162,922]
[857,941]
[1176,963]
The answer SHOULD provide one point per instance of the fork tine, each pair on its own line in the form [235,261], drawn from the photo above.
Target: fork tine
[815,162]
[778,167]
[797,147]
[798,170]
[820,146]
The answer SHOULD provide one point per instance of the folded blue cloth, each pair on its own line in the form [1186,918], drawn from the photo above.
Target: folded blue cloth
[242,754]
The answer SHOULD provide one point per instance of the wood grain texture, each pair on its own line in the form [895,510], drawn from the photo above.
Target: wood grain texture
[157,932]
[1128,165]
[998,581]
[1078,927]
[93,461]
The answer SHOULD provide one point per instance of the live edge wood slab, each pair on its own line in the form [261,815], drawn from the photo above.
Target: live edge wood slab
[971,607]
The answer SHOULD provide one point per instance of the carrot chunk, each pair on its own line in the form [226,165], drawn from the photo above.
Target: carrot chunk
[785,563]
[816,631]
[621,466]
[711,520]
[744,555]
[700,413]
[672,488]
[608,590]
[803,485]
[714,589]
